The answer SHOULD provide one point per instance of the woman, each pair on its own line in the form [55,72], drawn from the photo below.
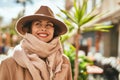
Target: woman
[39,56]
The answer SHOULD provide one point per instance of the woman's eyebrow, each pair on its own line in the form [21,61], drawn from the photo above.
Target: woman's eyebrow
[49,22]
[39,21]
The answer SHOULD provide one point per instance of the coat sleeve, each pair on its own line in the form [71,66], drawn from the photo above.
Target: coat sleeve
[4,71]
[69,71]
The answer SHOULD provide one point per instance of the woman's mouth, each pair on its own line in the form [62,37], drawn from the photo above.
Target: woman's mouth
[43,35]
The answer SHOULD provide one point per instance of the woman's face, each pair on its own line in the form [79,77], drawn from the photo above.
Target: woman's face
[43,30]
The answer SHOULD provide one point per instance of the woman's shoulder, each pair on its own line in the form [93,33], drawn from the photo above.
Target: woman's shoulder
[65,59]
[8,62]
[9,59]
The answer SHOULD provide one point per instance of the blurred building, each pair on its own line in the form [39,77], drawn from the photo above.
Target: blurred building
[111,40]
[108,43]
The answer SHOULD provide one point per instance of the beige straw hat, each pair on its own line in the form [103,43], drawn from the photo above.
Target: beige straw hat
[44,12]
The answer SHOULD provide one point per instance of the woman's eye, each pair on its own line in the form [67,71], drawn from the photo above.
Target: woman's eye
[49,25]
[37,23]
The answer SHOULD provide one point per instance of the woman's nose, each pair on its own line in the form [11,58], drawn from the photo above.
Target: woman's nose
[43,28]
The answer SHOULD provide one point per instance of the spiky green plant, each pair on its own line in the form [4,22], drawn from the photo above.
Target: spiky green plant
[76,18]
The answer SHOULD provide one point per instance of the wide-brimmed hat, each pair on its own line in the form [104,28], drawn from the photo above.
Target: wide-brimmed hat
[44,12]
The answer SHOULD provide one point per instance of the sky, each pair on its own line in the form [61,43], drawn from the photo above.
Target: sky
[9,8]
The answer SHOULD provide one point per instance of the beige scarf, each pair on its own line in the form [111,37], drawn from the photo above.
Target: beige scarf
[43,60]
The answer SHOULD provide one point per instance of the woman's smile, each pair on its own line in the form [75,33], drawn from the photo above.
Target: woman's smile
[43,35]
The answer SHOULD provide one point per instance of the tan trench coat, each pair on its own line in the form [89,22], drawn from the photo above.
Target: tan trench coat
[10,70]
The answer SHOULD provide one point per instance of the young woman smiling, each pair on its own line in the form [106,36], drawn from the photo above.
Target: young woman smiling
[39,55]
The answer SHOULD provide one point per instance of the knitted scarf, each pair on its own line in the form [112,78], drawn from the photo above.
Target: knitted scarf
[43,60]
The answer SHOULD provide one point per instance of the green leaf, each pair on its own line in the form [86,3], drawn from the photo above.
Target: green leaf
[68,15]
[98,27]
[87,19]
[83,9]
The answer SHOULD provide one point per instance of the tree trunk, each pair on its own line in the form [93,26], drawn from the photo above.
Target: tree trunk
[97,41]
[76,63]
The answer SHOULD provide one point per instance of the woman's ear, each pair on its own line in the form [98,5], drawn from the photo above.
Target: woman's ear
[25,29]
[56,31]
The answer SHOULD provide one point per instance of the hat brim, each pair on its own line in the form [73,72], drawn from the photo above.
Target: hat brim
[59,24]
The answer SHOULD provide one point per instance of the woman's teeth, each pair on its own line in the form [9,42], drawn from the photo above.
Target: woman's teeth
[43,35]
